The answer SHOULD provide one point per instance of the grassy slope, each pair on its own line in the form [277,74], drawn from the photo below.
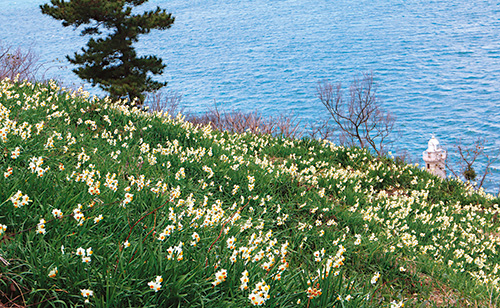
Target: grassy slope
[313,221]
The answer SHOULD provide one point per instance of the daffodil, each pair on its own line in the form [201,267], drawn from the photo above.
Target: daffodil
[156,284]
[53,272]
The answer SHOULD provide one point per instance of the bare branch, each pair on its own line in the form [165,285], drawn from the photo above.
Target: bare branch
[165,101]
[360,119]
[468,156]
[240,122]
[321,129]
[486,170]
[18,63]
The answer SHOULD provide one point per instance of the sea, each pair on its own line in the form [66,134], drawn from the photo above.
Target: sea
[435,63]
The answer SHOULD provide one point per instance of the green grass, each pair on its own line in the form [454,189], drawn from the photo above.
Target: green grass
[218,215]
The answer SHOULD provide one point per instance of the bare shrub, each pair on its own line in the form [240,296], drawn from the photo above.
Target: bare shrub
[17,62]
[254,122]
[321,129]
[166,101]
[404,157]
[360,118]
[468,156]
[287,126]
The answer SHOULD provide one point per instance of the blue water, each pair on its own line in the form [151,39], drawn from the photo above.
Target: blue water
[436,63]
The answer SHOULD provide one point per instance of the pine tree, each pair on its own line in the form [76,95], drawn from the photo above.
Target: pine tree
[109,60]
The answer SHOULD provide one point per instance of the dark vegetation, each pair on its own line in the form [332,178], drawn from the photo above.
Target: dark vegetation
[110,60]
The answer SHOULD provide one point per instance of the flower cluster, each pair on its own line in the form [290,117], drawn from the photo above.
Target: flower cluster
[166,232]
[313,292]
[9,172]
[35,166]
[196,239]
[3,228]
[86,293]
[156,284]
[220,277]
[40,227]
[128,198]
[85,254]
[19,200]
[396,304]
[57,213]
[15,154]
[260,294]
[177,250]
[244,280]
[78,215]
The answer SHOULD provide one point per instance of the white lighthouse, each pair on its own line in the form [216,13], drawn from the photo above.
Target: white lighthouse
[434,158]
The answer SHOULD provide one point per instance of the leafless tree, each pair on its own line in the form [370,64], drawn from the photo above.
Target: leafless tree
[360,118]
[469,155]
[18,62]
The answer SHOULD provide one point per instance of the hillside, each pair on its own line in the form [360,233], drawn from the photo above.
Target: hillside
[103,206]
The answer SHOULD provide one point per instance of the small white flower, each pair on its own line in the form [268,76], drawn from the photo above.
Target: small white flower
[375,278]
[53,272]
[80,251]
[57,213]
[86,293]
